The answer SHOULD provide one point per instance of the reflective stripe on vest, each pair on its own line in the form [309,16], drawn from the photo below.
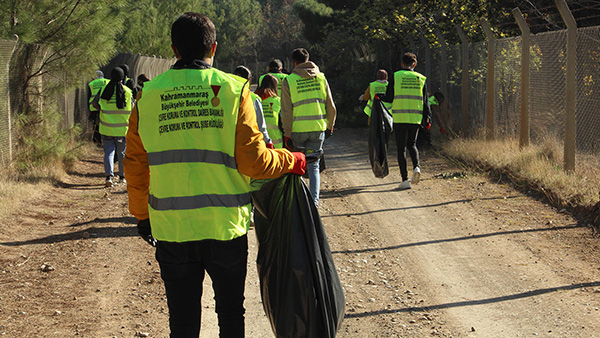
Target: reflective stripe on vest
[308,97]
[407,106]
[376,87]
[95,86]
[115,121]
[271,107]
[188,131]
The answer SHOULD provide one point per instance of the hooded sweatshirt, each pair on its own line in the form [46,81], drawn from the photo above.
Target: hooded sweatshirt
[305,70]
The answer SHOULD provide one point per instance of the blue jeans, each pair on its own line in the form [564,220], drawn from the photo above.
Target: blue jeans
[110,144]
[183,267]
[313,141]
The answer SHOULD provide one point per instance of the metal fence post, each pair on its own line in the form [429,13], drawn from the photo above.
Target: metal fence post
[425,44]
[490,87]
[569,150]
[524,125]
[443,70]
[464,90]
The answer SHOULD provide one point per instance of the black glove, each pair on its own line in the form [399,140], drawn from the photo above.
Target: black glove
[328,133]
[93,115]
[144,230]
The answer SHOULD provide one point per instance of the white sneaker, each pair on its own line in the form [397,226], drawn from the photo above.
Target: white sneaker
[416,177]
[404,185]
[109,182]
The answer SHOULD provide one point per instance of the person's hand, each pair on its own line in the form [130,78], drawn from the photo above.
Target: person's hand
[426,125]
[299,163]
[328,133]
[288,143]
[270,145]
[144,230]
[442,130]
[92,115]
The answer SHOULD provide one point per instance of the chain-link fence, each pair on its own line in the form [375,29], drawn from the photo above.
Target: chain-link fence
[7,47]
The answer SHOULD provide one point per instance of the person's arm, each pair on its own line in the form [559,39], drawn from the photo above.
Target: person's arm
[137,170]
[286,111]
[330,108]
[426,108]
[389,92]
[252,156]
[260,121]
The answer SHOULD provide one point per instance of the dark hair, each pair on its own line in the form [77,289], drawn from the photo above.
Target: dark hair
[193,34]
[141,79]
[382,74]
[268,86]
[300,55]
[125,69]
[439,96]
[243,72]
[275,64]
[409,58]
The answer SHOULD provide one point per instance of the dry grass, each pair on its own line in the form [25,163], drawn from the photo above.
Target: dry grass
[14,191]
[537,167]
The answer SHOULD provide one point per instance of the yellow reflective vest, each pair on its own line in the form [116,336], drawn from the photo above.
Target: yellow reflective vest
[271,107]
[376,87]
[95,86]
[407,106]
[114,121]
[308,97]
[279,76]
[188,131]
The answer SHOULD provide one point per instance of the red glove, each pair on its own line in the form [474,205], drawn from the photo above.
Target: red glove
[442,130]
[428,125]
[270,145]
[287,142]
[299,163]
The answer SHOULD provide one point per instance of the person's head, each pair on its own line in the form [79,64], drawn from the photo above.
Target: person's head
[243,71]
[382,75]
[439,97]
[299,55]
[275,65]
[268,86]
[125,69]
[99,74]
[193,36]
[409,60]
[141,79]
[117,74]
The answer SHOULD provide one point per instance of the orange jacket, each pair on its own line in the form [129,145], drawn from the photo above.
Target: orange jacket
[252,156]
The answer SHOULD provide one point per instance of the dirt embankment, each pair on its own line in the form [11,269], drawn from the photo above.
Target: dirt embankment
[456,256]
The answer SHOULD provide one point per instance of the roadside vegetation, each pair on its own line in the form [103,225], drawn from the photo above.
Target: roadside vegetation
[537,168]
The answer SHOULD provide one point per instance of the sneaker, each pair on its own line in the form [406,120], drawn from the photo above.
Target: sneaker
[404,185]
[122,180]
[109,181]
[416,177]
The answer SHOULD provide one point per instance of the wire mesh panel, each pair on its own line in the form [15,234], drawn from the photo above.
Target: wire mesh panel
[454,86]
[507,74]
[547,64]
[477,86]
[7,48]
[588,90]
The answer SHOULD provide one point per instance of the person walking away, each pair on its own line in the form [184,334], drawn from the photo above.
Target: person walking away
[407,92]
[271,107]
[140,83]
[275,69]
[246,74]
[93,88]
[307,110]
[187,177]
[378,86]
[114,102]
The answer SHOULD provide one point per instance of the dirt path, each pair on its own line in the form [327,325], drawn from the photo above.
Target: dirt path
[463,257]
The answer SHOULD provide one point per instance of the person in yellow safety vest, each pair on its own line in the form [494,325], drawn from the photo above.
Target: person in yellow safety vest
[193,143]
[93,88]
[271,106]
[275,69]
[246,74]
[307,111]
[114,102]
[378,86]
[407,92]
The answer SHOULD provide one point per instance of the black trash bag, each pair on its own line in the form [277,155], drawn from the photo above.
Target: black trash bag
[379,132]
[300,288]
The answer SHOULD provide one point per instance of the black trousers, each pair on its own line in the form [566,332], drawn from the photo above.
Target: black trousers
[406,137]
[182,267]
